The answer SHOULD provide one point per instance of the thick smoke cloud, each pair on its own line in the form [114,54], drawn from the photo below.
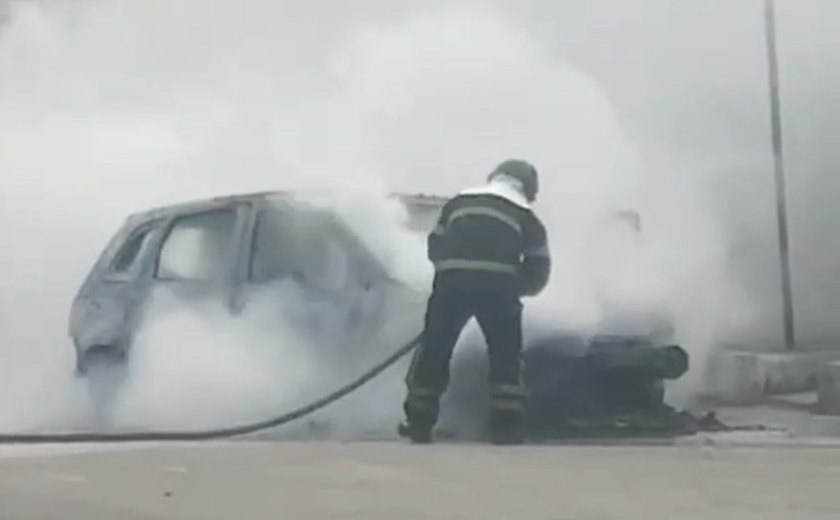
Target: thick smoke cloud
[109,107]
[689,82]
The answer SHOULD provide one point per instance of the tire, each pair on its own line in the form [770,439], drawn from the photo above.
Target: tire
[105,371]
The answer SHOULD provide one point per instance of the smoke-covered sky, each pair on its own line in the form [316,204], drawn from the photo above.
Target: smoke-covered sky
[689,82]
[109,106]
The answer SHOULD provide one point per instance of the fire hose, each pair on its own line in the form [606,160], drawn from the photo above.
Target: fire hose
[234,431]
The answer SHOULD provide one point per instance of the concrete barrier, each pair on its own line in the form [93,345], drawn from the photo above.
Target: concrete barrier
[828,389]
[739,377]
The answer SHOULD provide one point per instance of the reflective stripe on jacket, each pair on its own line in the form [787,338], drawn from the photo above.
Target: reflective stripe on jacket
[486,231]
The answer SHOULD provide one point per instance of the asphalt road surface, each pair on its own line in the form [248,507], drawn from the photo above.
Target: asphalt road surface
[394,481]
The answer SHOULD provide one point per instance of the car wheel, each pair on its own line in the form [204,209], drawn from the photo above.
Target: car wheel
[105,369]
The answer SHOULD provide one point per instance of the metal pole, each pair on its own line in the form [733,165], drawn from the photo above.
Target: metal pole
[779,162]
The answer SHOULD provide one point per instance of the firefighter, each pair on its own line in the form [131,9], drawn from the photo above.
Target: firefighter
[489,250]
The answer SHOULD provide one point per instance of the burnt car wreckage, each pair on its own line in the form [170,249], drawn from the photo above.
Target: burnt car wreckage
[580,386]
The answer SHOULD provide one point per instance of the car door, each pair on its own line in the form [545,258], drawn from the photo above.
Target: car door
[104,310]
[299,260]
[198,257]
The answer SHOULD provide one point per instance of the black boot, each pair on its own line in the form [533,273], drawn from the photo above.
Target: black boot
[506,429]
[419,421]
[416,433]
[510,437]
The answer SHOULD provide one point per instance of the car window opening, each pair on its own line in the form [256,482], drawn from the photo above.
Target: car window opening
[298,246]
[198,247]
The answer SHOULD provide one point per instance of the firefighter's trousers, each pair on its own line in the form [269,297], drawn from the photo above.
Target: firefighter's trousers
[498,311]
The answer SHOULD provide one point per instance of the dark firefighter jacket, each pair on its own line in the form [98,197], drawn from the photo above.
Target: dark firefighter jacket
[493,232]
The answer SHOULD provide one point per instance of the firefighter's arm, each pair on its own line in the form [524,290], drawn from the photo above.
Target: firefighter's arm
[535,269]
[435,238]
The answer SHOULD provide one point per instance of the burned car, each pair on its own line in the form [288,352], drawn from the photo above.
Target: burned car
[225,249]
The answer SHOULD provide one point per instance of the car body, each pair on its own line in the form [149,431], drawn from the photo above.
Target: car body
[215,249]
[222,249]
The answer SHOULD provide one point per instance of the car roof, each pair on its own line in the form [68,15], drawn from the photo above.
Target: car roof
[197,205]
[418,201]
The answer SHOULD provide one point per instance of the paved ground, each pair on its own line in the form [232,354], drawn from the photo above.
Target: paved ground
[391,481]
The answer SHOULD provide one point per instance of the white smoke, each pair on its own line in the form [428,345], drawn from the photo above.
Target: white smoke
[113,106]
[5,13]
[195,366]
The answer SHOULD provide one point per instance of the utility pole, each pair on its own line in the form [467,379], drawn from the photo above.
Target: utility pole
[779,168]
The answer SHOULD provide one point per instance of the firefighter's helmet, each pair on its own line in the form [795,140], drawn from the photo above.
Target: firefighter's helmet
[522,171]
